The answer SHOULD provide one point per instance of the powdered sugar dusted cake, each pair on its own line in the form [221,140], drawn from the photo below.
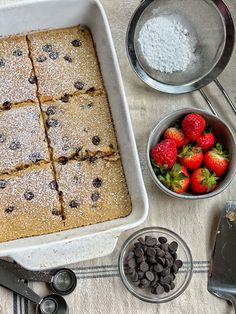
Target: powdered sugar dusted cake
[29,204]
[80,125]
[65,62]
[17,81]
[60,166]
[22,137]
[92,191]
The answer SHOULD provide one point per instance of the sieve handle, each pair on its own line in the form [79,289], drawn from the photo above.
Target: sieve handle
[226,96]
[208,102]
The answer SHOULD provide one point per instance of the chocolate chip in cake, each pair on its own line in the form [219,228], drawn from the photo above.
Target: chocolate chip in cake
[76,43]
[17,53]
[32,79]
[53,55]
[65,98]
[10,209]
[3,184]
[56,212]
[65,147]
[90,105]
[53,185]
[2,62]
[93,159]
[51,110]
[6,105]
[47,48]
[68,58]
[52,123]
[95,196]
[41,59]
[79,85]
[15,145]
[97,183]
[28,195]
[78,149]
[91,89]
[2,138]
[34,157]
[74,204]
[96,140]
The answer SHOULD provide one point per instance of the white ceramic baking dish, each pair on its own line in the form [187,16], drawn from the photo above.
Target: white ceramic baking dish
[53,250]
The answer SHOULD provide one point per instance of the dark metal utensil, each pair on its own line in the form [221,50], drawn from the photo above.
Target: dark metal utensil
[62,281]
[222,274]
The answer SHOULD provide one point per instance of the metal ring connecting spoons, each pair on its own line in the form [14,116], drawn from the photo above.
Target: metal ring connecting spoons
[62,281]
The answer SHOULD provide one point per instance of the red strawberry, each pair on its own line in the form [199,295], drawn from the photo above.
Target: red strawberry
[164,154]
[202,181]
[206,141]
[191,157]
[177,179]
[193,125]
[177,135]
[217,160]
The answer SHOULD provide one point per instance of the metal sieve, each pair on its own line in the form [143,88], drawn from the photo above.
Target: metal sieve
[212,25]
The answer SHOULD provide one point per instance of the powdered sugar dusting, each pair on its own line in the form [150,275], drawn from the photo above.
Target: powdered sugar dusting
[167,45]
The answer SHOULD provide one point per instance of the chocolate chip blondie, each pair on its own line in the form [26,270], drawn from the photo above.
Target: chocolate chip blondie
[29,203]
[17,81]
[80,125]
[22,137]
[65,62]
[93,191]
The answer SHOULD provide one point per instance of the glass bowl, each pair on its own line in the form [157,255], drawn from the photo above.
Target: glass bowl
[183,277]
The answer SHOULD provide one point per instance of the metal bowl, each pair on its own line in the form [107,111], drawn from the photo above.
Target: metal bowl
[183,277]
[213,25]
[223,134]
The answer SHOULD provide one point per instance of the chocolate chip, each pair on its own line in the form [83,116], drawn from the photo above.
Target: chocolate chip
[47,48]
[78,149]
[159,290]
[17,53]
[166,287]
[162,240]
[93,159]
[134,277]
[149,275]
[68,58]
[130,255]
[32,80]
[53,185]
[14,145]
[73,204]
[51,110]
[65,98]
[158,268]
[56,212]
[165,272]
[145,282]
[140,259]
[167,279]
[90,105]
[111,146]
[138,252]
[144,266]
[152,260]
[141,240]
[161,260]
[160,252]
[79,85]
[173,246]
[97,183]
[76,43]
[2,138]
[28,195]
[172,285]
[53,55]
[3,184]
[62,160]
[151,251]
[6,105]
[10,209]
[140,274]
[41,59]
[175,269]
[96,140]
[136,283]
[34,157]
[151,242]
[2,62]
[178,263]
[52,123]
[164,247]
[95,196]
[91,89]
[132,263]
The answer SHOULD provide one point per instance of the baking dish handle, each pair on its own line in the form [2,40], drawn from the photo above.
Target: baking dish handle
[59,254]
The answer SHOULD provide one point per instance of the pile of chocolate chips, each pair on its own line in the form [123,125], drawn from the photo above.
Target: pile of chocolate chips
[153,264]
